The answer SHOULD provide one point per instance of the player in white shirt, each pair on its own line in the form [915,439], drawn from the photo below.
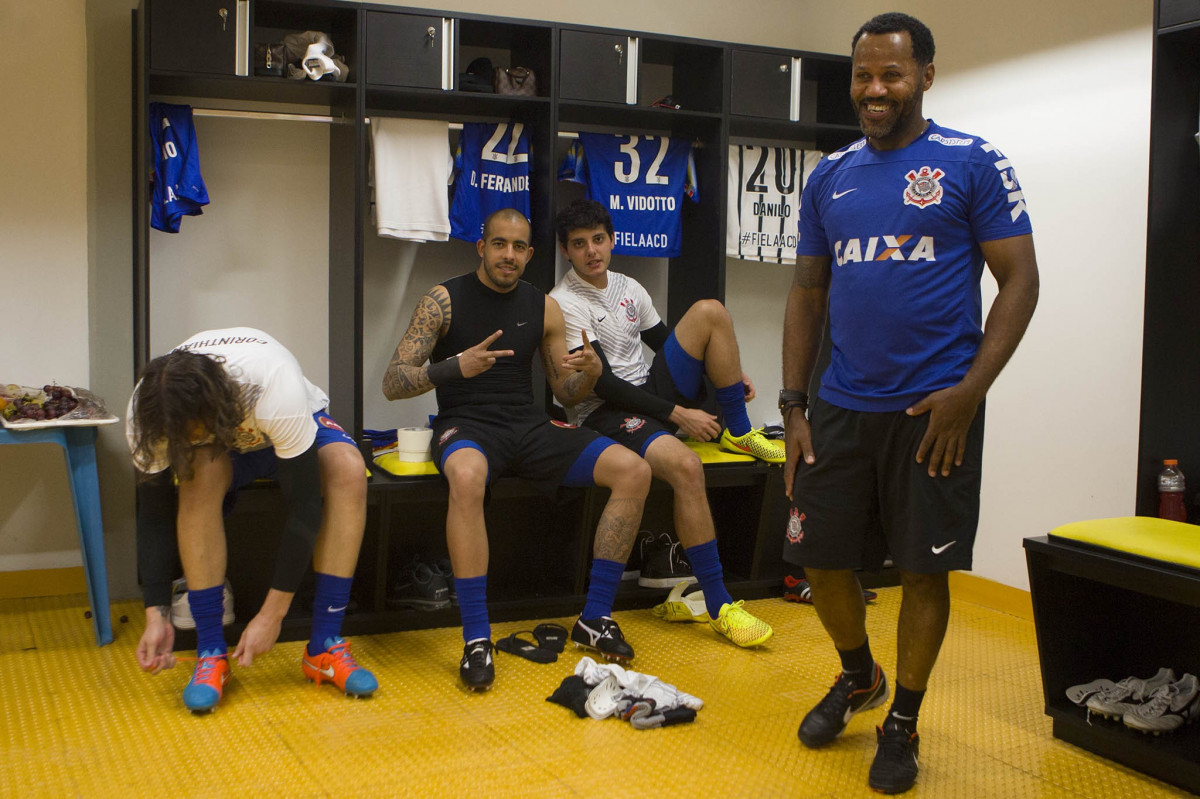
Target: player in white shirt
[641,405]
[222,409]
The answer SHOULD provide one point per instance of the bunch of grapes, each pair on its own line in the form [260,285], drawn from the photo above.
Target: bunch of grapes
[52,403]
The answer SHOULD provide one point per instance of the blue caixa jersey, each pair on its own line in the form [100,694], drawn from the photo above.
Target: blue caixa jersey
[642,180]
[903,230]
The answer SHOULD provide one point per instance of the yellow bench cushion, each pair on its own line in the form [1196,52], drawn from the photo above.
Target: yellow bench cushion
[1146,536]
[392,464]
[711,452]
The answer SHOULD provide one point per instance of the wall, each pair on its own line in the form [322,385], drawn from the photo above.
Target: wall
[1064,92]
[43,260]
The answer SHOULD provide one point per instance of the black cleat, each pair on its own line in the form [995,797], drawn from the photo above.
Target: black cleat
[894,769]
[831,715]
[476,669]
[603,635]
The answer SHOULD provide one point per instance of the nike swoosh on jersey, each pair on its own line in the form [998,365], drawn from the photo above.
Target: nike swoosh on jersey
[837,194]
[601,319]
[520,324]
[331,609]
[943,547]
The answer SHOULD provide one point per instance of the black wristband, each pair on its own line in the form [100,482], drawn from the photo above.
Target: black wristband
[444,371]
[789,398]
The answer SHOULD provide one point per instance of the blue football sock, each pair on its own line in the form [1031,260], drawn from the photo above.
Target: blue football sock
[208,607]
[732,400]
[472,607]
[602,587]
[328,609]
[706,565]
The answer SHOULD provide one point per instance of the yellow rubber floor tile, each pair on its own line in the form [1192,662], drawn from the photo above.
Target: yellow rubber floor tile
[79,720]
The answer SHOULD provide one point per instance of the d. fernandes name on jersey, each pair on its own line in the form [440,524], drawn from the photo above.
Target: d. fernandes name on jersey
[500,183]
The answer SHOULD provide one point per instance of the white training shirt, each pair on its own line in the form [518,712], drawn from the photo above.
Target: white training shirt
[615,316]
[281,417]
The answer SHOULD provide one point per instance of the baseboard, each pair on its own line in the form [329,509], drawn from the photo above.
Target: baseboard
[42,582]
[991,594]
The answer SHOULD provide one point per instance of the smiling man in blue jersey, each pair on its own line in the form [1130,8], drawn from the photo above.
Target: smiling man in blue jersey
[642,405]
[895,231]
[488,425]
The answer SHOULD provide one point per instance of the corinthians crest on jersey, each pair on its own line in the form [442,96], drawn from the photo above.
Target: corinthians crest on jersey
[923,187]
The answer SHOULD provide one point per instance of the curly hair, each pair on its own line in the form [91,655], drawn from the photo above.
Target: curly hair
[581,214]
[896,22]
[178,393]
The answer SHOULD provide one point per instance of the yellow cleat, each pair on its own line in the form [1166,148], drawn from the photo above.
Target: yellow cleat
[753,443]
[740,626]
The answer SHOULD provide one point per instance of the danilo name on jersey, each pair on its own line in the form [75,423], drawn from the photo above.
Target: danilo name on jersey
[884,248]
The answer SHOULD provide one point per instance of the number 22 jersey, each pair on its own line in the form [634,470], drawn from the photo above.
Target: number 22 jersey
[491,171]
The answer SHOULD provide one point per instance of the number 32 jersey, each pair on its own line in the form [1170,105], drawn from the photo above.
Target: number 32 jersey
[642,180]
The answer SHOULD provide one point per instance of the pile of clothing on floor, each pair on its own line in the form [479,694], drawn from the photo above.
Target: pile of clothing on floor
[599,691]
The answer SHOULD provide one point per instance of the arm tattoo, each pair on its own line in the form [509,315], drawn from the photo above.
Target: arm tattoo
[617,529]
[407,375]
[163,611]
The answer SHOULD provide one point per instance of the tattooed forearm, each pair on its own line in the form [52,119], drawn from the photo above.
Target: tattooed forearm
[407,373]
[576,387]
[617,528]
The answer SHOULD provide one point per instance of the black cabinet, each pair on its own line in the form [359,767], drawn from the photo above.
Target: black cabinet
[1177,12]
[599,67]
[407,50]
[1170,359]
[761,84]
[199,36]
[1089,603]
[406,62]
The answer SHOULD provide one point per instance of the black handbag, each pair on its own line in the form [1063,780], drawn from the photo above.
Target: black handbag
[269,59]
[515,80]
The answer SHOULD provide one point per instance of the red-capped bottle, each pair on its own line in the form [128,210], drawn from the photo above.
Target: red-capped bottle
[1170,492]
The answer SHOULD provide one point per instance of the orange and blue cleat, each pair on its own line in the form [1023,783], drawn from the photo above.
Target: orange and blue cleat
[208,682]
[337,665]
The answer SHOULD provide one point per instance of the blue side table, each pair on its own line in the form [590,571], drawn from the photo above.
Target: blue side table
[79,444]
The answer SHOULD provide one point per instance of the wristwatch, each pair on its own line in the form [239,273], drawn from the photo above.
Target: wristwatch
[792,399]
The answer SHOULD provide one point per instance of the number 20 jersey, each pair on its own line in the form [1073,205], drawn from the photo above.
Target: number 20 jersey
[903,228]
[642,180]
[764,201]
[491,171]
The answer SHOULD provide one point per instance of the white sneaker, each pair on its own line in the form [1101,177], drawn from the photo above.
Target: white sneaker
[181,611]
[1168,708]
[679,607]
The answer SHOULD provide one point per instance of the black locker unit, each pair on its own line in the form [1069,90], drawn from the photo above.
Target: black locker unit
[406,62]
[1170,357]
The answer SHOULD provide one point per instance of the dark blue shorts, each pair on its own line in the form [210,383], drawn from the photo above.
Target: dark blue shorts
[262,463]
[866,496]
[521,441]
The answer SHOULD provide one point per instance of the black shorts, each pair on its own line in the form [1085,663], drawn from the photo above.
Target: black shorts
[866,496]
[634,430]
[521,441]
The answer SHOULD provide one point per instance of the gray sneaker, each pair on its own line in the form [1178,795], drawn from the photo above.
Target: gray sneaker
[1168,708]
[419,587]
[1127,694]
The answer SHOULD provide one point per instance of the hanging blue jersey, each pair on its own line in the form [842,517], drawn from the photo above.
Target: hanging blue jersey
[642,180]
[491,171]
[903,229]
[178,189]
